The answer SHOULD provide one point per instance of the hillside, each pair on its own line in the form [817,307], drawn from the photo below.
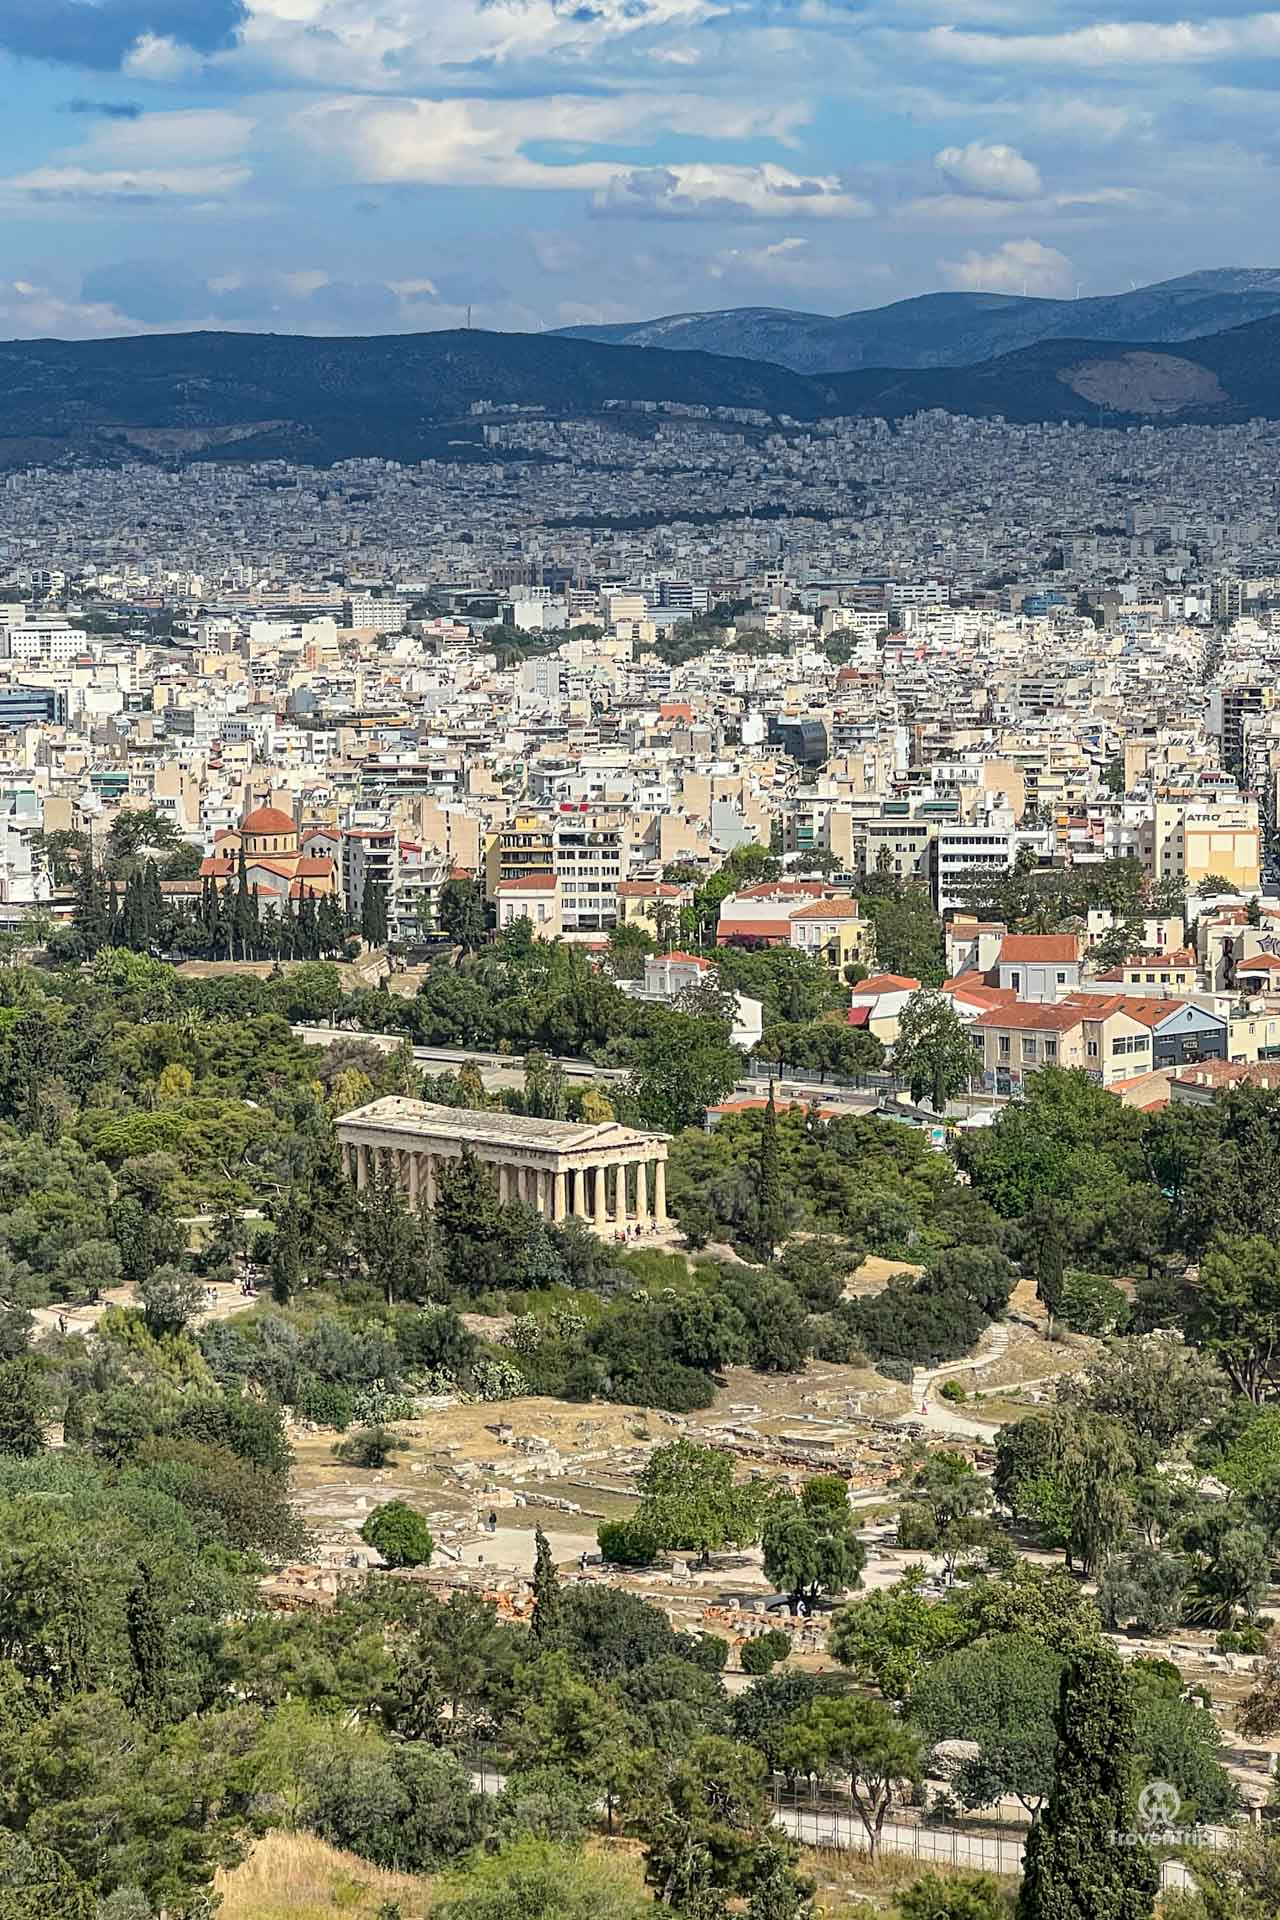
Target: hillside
[957,329]
[408,397]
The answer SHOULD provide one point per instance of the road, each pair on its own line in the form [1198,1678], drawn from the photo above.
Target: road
[507,1070]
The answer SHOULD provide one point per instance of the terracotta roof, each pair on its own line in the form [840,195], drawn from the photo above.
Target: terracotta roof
[976,991]
[267,820]
[649,890]
[1026,1016]
[685,959]
[1261,962]
[752,929]
[887,983]
[1047,949]
[529,883]
[846,909]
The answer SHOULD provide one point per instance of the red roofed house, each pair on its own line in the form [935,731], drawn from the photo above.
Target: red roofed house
[275,866]
[534,897]
[805,914]
[1096,1032]
[1039,967]
[877,1004]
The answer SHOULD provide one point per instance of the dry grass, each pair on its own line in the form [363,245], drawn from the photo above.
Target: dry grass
[850,1884]
[294,1876]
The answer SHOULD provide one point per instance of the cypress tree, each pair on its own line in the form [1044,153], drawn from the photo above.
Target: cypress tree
[90,915]
[546,1591]
[146,1630]
[1086,1858]
[771,1213]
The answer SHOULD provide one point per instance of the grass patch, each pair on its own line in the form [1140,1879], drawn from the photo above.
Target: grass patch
[295,1876]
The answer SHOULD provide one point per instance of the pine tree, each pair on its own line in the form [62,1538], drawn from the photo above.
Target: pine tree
[771,1212]
[547,1609]
[1086,1857]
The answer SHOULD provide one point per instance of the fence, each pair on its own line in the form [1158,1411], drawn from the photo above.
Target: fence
[823,1817]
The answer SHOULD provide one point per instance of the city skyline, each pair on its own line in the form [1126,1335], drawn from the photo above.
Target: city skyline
[303,165]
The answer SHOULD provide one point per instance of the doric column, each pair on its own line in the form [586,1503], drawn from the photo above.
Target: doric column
[620,1193]
[557,1196]
[348,1167]
[413,1158]
[430,1173]
[578,1192]
[362,1165]
[660,1193]
[601,1199]
[642,1194]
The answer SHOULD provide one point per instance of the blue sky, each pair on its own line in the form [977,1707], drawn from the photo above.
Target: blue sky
[337,166]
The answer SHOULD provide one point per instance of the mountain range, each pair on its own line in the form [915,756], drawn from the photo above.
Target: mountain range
[956,329]
[410,397]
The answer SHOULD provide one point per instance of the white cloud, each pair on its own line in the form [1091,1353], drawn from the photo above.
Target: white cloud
[1119,43]
[1019,266]
[993,170]
[156,57]
[30,312]
[705,191]
[119,184]
[785,260]
[395,43]
[198,133]
[481,143]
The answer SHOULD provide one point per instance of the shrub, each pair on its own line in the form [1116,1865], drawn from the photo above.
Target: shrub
[324,1402]
[762,1654]
[952,1390]
[399,1534]
[369,1447]
[628,1543]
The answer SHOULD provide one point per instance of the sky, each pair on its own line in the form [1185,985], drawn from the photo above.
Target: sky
[376,166]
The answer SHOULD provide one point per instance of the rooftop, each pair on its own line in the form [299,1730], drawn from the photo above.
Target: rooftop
[424,1119]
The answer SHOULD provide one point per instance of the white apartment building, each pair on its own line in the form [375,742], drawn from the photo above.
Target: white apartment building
[381,616]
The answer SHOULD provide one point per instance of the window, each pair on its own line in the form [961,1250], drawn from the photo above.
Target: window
[1015,981]
[1091,1049]
[1050,1049]
[1004,1046]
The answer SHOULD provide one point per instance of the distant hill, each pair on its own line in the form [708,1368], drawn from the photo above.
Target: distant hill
[228,396]
[957,329]
[247,396]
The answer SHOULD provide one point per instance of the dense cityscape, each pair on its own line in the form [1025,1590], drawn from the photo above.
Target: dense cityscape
[640,1176]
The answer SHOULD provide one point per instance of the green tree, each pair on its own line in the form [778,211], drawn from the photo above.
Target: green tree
[1159,1390]
[1074,1868]
[461,913]
[1003,1695]
[532,1879]
[1234,1313]
[862,1740]
[945,1509]
[24,1406]
[1073,1475]
[399,1534]
[933,1052]
[37,1884]
[371,1448]
[685,1065]
[688,1500]
[170,1300]
[771,1221]
[891,1638]
[546,1591]
[705,1824]
[954,1898]
[811,1545]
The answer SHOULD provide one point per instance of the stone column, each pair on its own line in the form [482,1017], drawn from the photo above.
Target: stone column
[414,1159]
[362,1166]
[620,1193]
[601,1207]
[557,1196]
[347,1168]
[578,1192]
[660,1193]
[642,1195]
[430,1167]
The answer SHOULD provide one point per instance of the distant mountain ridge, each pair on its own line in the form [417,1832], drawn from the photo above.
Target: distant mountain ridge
[957,329]
[409,397]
